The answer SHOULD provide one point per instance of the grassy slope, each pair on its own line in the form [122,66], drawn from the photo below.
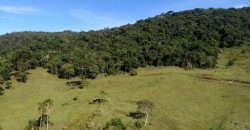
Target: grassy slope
[181,100]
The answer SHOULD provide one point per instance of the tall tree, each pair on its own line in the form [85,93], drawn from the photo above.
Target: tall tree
[146,107]
[44,108]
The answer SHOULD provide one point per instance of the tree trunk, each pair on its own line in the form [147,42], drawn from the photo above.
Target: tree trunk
[47,122]
[146,120]
[41,120]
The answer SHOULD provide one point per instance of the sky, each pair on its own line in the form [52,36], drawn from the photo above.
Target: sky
[85,15]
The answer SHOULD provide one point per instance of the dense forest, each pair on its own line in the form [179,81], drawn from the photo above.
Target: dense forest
[188,39]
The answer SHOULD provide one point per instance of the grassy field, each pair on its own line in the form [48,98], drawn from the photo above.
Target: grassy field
[183,100]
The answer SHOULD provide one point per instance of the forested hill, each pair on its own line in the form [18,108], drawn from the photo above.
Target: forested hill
[187,39]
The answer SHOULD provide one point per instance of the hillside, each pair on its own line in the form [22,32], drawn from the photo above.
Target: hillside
[190,39]
[180,70]
[183,100]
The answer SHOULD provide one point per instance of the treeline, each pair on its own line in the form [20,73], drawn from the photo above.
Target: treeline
[187,39]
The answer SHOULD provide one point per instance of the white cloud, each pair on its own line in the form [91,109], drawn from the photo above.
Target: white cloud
[94,18]
[240,6]
[19,10]
[11,19]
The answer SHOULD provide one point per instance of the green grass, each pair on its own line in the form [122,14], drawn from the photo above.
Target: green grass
[182,101]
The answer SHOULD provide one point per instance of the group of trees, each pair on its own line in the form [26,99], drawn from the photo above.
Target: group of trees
[187,39]
[4,75]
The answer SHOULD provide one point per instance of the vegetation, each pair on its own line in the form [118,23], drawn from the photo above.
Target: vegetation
[188,39]
[215,98]
[145,106]
[181,99]
[44,108]
[115,124]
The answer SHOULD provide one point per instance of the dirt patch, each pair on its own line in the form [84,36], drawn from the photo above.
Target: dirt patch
[231,81]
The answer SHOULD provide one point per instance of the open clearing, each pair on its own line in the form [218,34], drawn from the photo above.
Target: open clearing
[182,100]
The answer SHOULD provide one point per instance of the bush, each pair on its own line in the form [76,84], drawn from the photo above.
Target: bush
[67,71]
[21,77]
[8,85]
[114,124]
[138,125]
[1,90]
[231,62]
[5,73]
[90,124]
[137,115]
[1,80]
[32,125]
[133,73]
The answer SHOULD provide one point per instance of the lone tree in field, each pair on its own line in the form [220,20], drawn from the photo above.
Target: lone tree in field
[44,108]
[146,107]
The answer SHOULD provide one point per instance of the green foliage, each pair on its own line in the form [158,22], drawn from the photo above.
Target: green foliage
[1,80]
[137,115]
[67,71]
[173,90]
[144,105]
[186,39]
[1,90]
[8,85]
[133,72]
[32,125]
[21,77]
[138,125]
[114,124]
[231,62]
[45,106]
[5,73]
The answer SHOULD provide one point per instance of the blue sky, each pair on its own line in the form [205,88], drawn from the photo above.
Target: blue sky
[84,15]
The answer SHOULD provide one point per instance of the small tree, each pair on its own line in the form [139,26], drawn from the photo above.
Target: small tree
[44,108]
[146,107]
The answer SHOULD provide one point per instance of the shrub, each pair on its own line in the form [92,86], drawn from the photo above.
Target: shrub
[231,62]
[90,124]
[138,125]
[98,101]
[8,85]
[67,71]
[1,80]
[1,90]
[137,115]
[133,73]
[32,125]
[114,124]
[5,73]
[21,77]
[75,98]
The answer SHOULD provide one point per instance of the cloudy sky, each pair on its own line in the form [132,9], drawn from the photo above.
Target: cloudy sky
[84,15]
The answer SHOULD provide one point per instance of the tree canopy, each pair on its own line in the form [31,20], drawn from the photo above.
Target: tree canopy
[187,39]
